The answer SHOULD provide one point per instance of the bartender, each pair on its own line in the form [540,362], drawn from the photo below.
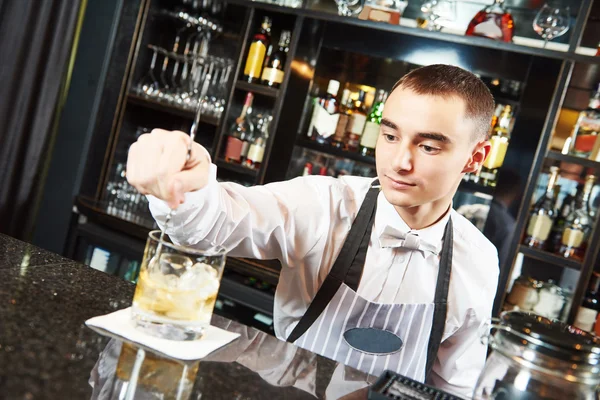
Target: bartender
[376,273]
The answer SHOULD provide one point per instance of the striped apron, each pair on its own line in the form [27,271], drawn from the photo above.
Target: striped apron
[374,337]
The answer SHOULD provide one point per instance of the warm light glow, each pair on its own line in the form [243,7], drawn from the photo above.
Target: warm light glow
[25,263]
[522,380]
[303,69]
[428,57]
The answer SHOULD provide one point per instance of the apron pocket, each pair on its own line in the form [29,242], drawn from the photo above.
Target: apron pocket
[373,341]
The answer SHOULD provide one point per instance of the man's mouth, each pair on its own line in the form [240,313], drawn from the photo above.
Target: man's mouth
[400,183]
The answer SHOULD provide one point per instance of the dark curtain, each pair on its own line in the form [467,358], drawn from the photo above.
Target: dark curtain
[36,38]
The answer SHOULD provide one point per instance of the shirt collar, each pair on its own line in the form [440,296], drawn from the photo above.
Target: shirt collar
[387,215]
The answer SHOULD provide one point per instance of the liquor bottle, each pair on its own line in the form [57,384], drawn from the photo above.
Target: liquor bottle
[587,315]
[311,103]
[578,224]
[339,137]
[325,114]
[598,51]
[499,141]
[323,171]
[249,137]
[587,127]
[241,129]
[388,11]
[542,215]
[357,123]
[475,176]
[559,223]
[257,52]
[493,22]
[369,100]
[273,72]
[371,131]
[307,169]
[496,116]
[256,151]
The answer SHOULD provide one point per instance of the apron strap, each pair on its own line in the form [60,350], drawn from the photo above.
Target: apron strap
[441,299]
[345,268]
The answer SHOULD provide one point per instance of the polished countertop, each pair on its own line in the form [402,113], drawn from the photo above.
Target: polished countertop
[47,352]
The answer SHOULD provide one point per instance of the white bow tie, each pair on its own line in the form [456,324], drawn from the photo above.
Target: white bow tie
[391,237]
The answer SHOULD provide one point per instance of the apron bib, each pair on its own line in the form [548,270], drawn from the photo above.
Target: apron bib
[374,337]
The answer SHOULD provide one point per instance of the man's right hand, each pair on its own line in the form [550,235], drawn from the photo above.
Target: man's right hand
[157,164]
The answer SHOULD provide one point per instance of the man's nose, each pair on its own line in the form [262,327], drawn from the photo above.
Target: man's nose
[403,159]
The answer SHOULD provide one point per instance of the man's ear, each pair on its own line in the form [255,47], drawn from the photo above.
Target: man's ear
[480,153]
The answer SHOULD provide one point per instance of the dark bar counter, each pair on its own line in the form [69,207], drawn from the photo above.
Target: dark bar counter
[47,352]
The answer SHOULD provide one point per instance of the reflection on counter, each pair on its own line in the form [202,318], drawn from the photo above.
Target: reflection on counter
[158,377]
[260,365]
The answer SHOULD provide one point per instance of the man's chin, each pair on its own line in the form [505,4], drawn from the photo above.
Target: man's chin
[401,198]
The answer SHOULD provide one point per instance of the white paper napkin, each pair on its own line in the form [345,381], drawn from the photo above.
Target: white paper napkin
[119,324]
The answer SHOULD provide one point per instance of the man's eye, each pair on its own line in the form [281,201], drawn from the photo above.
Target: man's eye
[429,149]
[389,138]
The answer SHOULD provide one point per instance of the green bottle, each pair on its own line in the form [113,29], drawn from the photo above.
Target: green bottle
[371,131]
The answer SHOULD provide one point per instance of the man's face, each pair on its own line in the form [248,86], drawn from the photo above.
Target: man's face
[424,146]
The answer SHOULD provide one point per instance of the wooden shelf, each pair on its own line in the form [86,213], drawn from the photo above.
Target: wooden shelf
[328,12]
[504,100]
[236,168]
[169,108]
[472,187]
[323,148]
[96,212]
[549,258]
[555,155]
[257,89]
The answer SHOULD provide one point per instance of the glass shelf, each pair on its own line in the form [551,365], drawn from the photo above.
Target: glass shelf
[549,258]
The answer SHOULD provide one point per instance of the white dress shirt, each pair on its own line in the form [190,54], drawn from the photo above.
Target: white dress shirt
[303,223]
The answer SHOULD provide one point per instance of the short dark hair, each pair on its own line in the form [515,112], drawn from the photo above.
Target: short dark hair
[448,80]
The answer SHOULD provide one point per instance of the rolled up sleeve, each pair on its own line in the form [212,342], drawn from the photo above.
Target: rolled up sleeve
[281,220]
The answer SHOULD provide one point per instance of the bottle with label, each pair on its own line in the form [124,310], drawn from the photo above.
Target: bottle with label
[587,127]
[371,131]
[273,72]
[493,22]
[542,215]
[241,130]
[325,114]
[256,151]
[561,219]
[499,141]
[357,123]
[339,137]
[578,224]
[474,176]
[587,315]
[258,50]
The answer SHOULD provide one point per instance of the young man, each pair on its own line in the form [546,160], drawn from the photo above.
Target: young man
[377,274]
